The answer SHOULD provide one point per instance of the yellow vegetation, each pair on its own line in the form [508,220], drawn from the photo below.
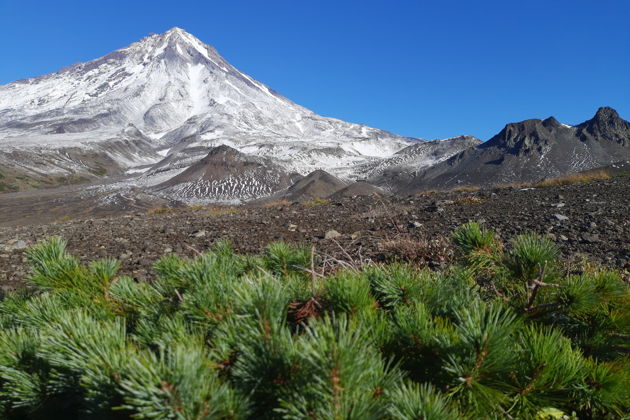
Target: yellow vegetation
[465,189]
[314,203]
[574,179]
[160,210]
[470,199]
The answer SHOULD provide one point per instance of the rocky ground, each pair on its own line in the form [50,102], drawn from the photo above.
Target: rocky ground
[589,221]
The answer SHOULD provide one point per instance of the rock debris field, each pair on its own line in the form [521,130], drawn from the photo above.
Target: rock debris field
[588,221]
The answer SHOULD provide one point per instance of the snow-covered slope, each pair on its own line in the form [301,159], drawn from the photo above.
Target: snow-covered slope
[227,176]
[170,96]
[406,163]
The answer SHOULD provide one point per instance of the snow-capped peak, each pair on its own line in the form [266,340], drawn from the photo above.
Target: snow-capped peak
[181,94]
[180,42]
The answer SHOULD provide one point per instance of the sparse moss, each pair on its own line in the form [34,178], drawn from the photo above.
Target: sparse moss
[99,171]
[161,210]
[71,179]
[4,187]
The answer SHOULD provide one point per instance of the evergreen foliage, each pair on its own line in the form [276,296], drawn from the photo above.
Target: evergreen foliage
[504,333]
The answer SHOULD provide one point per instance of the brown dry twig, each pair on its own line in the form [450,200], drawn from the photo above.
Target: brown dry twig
[195,250]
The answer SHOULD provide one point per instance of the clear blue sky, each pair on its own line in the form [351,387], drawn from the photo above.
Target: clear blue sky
[418,68]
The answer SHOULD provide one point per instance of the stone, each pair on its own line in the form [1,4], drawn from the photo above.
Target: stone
[590,237]
[332,234]
[198,234]
[356,235]
[561,217]
[292,228]
[414,224]
[434,208]
[563,238]
[16,245]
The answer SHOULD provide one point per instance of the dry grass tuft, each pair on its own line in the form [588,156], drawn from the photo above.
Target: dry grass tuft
[574,179]
[420,251]
[513,185]
[465,189]
[426,192]
[470,199]
[314,203]
[437,191]
[221,210]
[161,210]
[300,311]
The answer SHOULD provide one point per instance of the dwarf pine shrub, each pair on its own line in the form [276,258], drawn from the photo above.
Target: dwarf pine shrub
[503,333]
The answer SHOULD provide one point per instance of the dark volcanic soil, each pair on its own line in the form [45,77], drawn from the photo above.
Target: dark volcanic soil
[585,219]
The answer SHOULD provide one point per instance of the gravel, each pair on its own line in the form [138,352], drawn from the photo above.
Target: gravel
[594,225]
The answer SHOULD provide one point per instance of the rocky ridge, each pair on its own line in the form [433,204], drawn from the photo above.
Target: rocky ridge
[529,151]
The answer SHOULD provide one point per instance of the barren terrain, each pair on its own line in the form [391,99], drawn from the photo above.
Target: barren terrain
[587,220]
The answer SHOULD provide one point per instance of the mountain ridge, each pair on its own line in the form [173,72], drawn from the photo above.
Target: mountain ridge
[144,115]
[529,151]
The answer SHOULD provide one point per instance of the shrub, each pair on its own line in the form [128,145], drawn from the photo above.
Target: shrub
[179,383]
[282,258]
[341,374]
[348,293]
[500,334]
[420,401]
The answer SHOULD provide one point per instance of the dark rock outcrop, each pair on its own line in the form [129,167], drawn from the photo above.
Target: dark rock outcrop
[529,151]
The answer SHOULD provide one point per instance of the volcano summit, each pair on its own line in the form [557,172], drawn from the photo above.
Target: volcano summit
[167,97]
